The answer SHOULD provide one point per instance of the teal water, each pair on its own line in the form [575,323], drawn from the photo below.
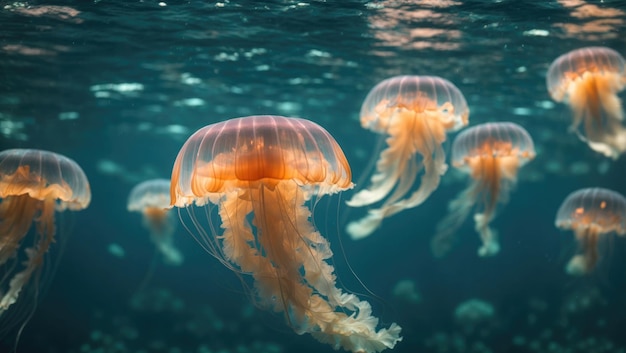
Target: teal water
[119,86]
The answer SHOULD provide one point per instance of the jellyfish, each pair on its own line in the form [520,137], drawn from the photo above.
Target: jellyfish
[414,113]
[474,312]
[590,213]
[261,172]
[588,79]
[491,154]
[152,199]
[33,185]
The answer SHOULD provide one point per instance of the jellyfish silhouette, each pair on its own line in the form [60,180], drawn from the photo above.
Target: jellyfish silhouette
[152,199]
[589,79]
[261,171]
[590,213]
[414,113]
[33,185]
[491,154]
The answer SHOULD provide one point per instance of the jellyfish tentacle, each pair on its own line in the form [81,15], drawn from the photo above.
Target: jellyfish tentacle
[497,177]
[490,185]
[172,255]
[458,211]
[16,216]
[424,151]
[588,239]
[429,136]
[367,225]
[434,168]
[594,100]
[299,283]
[373,219]
[392,159]
[584,262]
[35,255]
[158,221]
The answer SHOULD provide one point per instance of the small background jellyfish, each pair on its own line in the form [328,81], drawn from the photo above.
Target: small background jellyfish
[33,185]
[405,290]
[491,154]
[590,213]
[414,113]
[589,79]
[473,312]
[152,199]
[260,171]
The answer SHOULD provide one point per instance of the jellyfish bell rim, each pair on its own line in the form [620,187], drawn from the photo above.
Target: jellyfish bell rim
[64,194]
[578,198]
[185,190]
[387,90]
[592,226]
[558,79]
[146,194]
[525,155]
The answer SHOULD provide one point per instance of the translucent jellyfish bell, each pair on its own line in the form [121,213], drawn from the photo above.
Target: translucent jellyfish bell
[33,185]
[491,154]
[414,113]
[152,199]
[590,213]
[588,80]
[260,171]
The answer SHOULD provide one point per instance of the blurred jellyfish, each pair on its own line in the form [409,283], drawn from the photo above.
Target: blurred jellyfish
[473,312]
[589,79]
[590,213]
[152,199]
[406,291]
[491,154]
[33,185]
[261,171]
[415,113]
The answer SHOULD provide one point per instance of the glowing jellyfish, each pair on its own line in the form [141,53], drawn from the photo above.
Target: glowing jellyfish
[589,79]
[33,185]
[415,113]
[152,199]
[491,154]
[590,213]
[261,171]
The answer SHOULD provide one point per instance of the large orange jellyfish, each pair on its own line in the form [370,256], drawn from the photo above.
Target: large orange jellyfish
[415,113]
[261,171]
[152,199]
[491,154]
[590,213]
[589,79]
[33,185]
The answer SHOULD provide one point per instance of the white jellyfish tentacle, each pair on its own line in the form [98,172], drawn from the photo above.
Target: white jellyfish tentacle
[383,181]
[161,234]
[172,255]
[423,150]
[392,160]
[458,211]
[577,265]
[433,167]
[367,225]
[488,235]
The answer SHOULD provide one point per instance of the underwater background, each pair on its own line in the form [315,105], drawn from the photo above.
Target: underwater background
[119,86]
